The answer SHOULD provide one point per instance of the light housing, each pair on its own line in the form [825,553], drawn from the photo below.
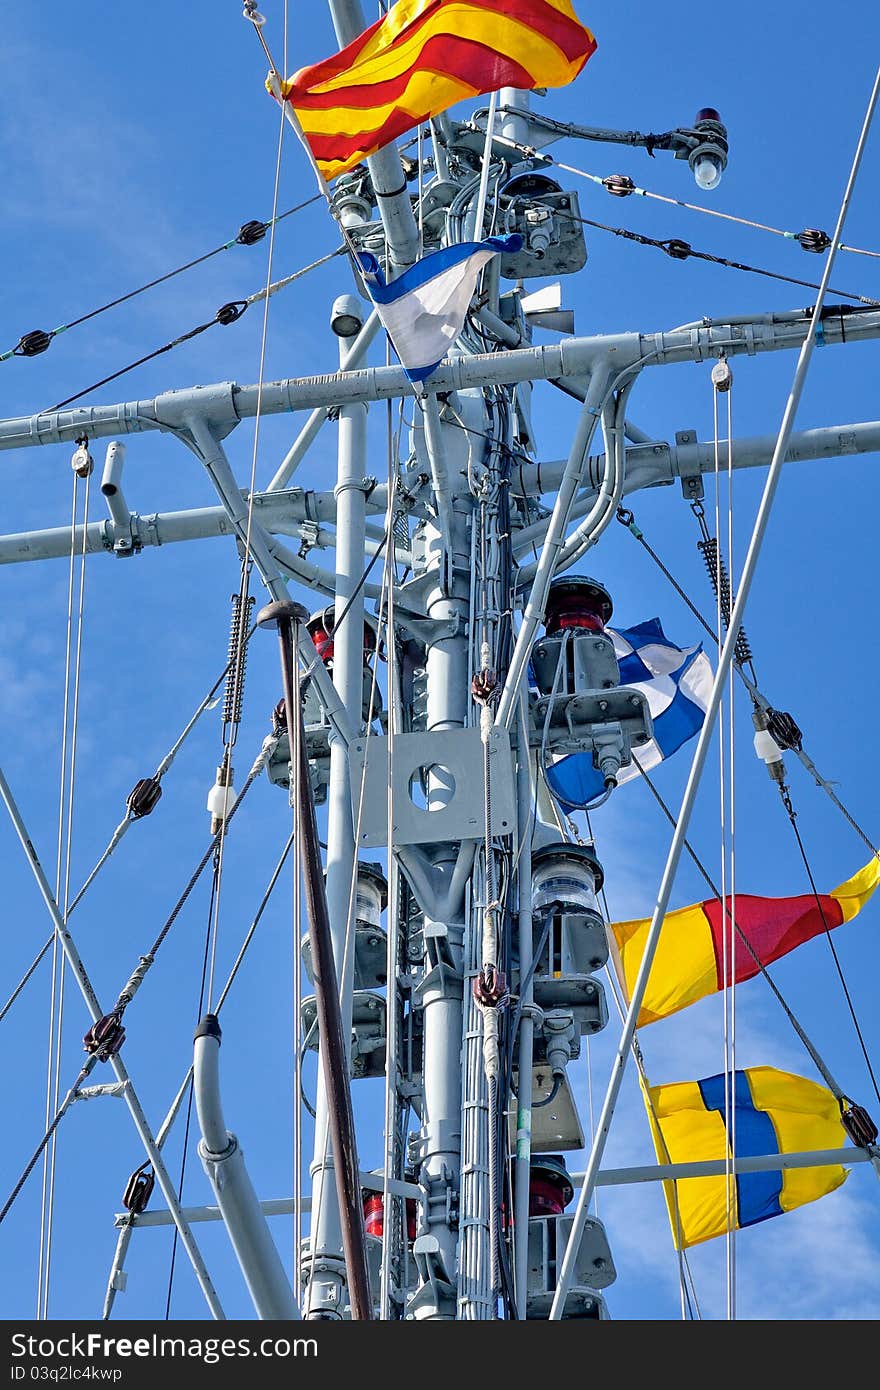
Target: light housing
[707,159]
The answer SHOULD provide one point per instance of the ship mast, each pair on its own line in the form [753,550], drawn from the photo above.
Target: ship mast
[478,993]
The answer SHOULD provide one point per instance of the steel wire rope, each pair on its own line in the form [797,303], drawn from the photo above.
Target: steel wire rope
[165,1128]
[228,313]
[792,816]
[206,704]
[679,250]
[247,558]
[92,1060]
[62,973]
[698,760]
[744,941]
[53,939]
[713,212]
[725,792]
[626,518]
[242,238]
[612,185]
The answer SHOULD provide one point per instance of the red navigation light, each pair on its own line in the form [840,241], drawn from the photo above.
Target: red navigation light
[374,1215]
[550,1187]
[320,628]
[577,603]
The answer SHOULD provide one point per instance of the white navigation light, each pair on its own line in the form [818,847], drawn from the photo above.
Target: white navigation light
[707,172]
[709,148]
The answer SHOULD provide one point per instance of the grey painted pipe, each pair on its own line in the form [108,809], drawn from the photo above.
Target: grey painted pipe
[223,1162]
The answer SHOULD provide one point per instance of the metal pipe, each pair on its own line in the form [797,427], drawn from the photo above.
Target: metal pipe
[585,536]
[553,541]
[254,540]
[224,1164]
[436,449]
[111,487]
[522,1162]
[310,430]
[272,1206]
[724,662]
[574,357]
[386,170]
[649,465]
[712,1168]
[334,1059]
[341,858]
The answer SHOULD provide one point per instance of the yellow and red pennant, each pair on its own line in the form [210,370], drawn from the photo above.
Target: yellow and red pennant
[422,57]
[689,960]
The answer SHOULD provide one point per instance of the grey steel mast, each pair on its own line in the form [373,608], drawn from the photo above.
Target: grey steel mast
[494,911]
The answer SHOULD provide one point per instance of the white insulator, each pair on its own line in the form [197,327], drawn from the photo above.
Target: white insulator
[221,800]
[766,747]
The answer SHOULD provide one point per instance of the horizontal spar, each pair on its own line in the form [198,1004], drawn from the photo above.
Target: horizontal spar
[609,1177]
[648,465]
[285,513]
[225,403]
[657,462]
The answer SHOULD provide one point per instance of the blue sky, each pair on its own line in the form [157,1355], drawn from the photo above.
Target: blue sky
[131,143]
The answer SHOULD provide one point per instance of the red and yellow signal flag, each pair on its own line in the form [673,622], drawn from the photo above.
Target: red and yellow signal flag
[422,57]
[689,961]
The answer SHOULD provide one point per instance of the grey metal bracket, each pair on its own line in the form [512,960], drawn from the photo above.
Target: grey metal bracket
[575,720]
[459,752]
[691,476]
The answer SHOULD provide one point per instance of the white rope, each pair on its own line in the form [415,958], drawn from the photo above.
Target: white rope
[59,855]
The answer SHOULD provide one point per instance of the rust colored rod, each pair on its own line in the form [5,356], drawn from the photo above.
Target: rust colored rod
[283,615]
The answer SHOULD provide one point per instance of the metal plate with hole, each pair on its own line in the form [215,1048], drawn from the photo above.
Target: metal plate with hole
[444,768]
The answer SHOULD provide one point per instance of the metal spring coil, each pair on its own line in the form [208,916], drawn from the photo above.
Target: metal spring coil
[236,658]
[716,568]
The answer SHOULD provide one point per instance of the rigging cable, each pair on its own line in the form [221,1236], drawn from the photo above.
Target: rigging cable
[722,380]
[794,744]
[687,1286]
[679,250]
[792,817]
[249,233]
[228,313]
[237,675]
[189,1100]
[141,802]
[164,1131]
[135,981]
[811,239]
[82,466]
[742,655]
[744,941]
[53,939]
